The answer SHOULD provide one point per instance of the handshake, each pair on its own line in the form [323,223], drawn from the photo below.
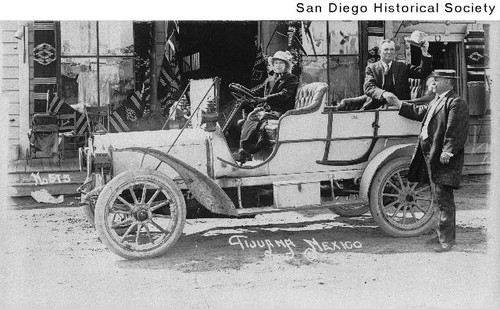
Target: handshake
[391,99]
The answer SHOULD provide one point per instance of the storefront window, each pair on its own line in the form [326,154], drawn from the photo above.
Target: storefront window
[332,49]
[344,77]
[116,38]
[343,37]
[116,80]
[97,62]
[314,37]
[78,38]
[314,69]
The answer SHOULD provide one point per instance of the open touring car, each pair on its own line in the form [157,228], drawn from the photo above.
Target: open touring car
[351,162]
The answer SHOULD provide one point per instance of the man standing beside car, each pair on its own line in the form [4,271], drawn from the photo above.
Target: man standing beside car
[439,155]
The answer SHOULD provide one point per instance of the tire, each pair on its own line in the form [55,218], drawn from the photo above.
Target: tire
[401,208]
[350,211]
[147,202]
[88,208]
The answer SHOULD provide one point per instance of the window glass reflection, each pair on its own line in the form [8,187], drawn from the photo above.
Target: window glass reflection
[79,82]
[344,77]
[116,80]
[343,37]
[314,37]
[78,38]
[116,38]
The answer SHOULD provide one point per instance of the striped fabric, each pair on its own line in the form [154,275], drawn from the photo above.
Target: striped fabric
[169,79]
[58,106]
[117,122]
[130,111]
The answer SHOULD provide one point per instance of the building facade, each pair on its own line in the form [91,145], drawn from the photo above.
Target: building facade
[99,63]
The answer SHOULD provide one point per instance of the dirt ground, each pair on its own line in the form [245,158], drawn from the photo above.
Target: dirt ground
[51,258]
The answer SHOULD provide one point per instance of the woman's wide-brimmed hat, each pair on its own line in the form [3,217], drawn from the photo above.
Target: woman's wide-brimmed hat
[444,74]
[284,56]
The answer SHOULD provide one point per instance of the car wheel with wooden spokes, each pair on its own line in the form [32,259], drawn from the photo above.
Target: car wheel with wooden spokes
[401,208]
[140,214]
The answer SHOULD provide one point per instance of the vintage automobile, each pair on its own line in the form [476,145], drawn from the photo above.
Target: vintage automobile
[138,183]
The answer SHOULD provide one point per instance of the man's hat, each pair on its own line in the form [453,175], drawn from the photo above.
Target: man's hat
[284,56]
[417,38]
[444,74]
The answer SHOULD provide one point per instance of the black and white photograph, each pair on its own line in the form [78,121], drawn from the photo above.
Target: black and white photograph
[305,162]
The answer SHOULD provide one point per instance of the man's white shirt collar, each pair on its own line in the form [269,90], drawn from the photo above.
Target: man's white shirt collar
[386,66]
[444,93]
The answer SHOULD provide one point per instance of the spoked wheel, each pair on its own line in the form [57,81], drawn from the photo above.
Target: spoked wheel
[140,214]
[401,208]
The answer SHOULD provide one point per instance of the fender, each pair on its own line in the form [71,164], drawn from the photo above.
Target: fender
[374,164]
[210,195]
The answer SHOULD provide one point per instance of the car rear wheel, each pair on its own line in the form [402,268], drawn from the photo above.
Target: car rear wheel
[401,208]
[151,208]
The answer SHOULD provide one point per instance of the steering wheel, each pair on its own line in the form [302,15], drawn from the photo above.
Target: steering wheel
[242,94]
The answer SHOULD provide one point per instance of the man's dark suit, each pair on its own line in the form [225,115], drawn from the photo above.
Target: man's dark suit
[279,92]
[374,80]
[447,132]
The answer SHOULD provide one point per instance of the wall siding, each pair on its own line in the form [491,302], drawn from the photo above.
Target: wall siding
[10,84]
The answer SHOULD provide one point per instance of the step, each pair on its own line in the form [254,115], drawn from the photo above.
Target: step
[56,182]
[477,158]
[43,165]
[474,148]
[26,190]
[476,169]
[324,204]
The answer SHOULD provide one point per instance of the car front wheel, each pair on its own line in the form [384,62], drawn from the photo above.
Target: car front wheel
[140,214]
[401,208]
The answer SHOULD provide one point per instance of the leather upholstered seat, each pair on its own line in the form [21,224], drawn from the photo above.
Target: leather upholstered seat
[308,99]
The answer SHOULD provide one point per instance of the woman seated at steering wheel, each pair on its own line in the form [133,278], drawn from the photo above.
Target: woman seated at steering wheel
[274,97]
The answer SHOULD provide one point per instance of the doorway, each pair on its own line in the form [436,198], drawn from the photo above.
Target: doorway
[445,55]
[225,49]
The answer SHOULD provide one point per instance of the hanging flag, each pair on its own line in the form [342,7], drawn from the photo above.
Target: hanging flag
[259,69]
[129,112]
[58,106]
[169,78]
[117,120]
[146,86]
[143,50]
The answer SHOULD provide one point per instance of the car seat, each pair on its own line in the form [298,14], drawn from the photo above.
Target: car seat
[308,99]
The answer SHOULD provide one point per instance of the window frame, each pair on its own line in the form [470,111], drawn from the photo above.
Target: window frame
[97,56]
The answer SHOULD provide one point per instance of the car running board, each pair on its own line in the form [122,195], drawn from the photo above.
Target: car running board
[271,209]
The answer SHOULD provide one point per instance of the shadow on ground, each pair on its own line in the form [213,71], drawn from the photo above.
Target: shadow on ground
[294,243]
